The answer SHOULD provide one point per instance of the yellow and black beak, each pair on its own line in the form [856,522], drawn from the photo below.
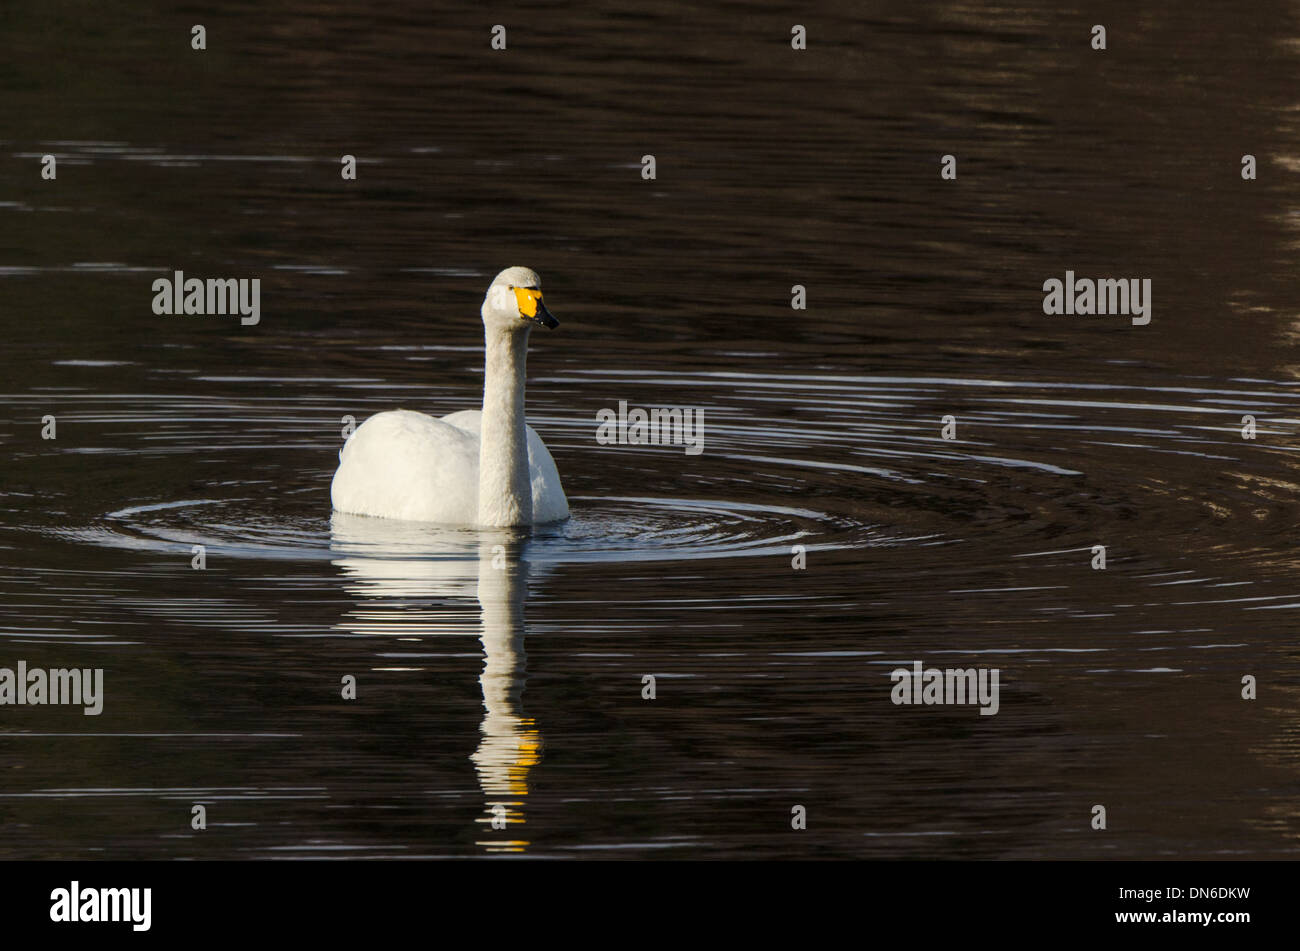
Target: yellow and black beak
[532,308]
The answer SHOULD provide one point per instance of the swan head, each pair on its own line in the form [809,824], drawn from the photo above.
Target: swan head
[514,301]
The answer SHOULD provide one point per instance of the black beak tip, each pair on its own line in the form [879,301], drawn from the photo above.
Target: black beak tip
[545,317]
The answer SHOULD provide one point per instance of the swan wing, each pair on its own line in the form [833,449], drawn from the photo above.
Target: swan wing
[408,465]
[549,502]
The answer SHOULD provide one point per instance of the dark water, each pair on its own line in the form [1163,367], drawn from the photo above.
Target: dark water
[522,687]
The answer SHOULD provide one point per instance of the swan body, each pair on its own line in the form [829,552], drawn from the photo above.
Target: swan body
[485,468]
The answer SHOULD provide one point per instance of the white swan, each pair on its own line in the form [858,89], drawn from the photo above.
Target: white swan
[468,468]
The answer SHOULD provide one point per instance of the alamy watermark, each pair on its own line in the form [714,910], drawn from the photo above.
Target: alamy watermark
[194,296]
[956,686]
[77,904]
[1085,296]
[57,686]
[658,426]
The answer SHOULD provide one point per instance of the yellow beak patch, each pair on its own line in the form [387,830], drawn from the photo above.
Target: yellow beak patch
[527,298]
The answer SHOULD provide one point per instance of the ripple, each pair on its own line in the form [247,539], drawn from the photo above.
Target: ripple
[632,528]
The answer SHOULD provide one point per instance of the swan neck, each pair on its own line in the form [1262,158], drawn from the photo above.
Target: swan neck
[505,494]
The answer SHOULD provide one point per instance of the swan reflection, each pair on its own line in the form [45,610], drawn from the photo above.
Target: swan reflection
[402,572]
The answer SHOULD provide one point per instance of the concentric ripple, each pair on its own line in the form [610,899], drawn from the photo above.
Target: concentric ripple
[600,529]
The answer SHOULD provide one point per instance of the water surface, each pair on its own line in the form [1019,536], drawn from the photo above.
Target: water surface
[521,686]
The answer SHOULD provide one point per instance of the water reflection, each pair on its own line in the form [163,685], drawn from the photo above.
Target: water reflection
[510,743]
[410,579]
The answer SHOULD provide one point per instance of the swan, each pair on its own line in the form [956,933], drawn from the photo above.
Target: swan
[488,468]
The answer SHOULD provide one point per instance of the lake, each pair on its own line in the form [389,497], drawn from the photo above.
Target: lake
[826,534]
